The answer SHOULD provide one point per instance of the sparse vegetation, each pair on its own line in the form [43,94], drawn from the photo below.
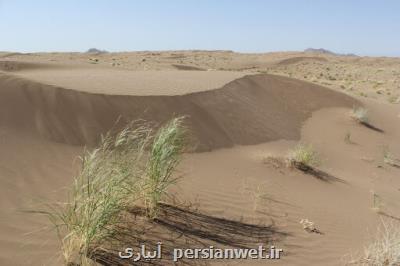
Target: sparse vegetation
[385,249]
[359,78]
[93,60]
[255,192]
[388,158]
[106,185]
[363,94]
[115,176]
[273,161]
[303,157]
[377,203]
[394,99]
[347,138]
[309,226]
[360,114]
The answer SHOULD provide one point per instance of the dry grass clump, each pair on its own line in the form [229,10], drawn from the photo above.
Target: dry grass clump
[309,226]
[303,157]
[360,114]
[389,159]
[274,162]
[385,249]
[394,99]
[255,192]
[347,138]
[115,176]
[377,202]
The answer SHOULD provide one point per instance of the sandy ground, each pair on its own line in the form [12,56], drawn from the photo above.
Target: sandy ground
[236,184]
[125,82]
[47,116]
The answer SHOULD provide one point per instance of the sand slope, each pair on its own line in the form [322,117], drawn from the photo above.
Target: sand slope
[300,59]
[236,184]
[249,110]
[32,171]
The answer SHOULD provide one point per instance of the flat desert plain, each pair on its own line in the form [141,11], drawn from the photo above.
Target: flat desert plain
[244,112]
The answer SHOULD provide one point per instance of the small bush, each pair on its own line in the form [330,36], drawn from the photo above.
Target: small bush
[303,157]
[385,250]
[360,114]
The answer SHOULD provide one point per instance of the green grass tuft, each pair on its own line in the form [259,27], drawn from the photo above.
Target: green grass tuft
[303,156]
[165,155]
[126,169]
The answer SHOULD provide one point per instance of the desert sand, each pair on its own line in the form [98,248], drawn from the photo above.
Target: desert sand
[242,110]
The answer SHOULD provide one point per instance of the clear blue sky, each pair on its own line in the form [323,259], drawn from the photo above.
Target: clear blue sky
[363,27]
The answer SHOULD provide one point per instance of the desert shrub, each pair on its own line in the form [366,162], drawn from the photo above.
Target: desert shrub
[118,174]
[303,156]
[385,249]
[360,114]
[388,157]
[394,99]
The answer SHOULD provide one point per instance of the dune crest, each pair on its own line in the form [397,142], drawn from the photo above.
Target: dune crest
[249,110]
[14,66]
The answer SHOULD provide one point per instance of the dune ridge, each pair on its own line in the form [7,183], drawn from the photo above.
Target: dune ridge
[14,66]
[299,59]
[248,110]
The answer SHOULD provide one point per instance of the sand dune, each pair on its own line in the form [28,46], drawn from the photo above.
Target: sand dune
[122,82]
[295,60]
[32,171]
[249,110]
[106,80]
[14,66]
[50,110]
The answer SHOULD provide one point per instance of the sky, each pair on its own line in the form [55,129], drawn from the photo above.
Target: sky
[363,27]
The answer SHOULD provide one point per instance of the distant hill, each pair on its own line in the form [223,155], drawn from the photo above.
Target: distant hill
[325,51]
[95,51]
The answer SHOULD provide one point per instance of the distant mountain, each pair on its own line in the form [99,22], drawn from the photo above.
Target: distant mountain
[325,51]
[318,51]
[95,51]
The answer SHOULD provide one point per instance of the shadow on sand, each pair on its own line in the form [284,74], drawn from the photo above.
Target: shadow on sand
[395,165]
[324,176]
[390,216]
[182,228]
[319,174]
[368,125]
